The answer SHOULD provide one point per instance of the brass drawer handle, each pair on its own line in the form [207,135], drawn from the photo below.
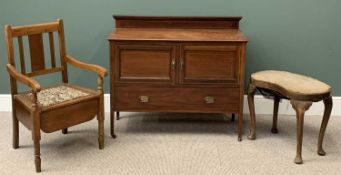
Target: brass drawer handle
[143,99]
[209,100]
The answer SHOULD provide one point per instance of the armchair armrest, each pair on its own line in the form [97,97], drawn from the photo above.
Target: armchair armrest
[102,72]
[34,85]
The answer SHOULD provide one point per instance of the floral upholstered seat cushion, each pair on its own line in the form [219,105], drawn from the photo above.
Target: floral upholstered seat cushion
[55,95]
[291,82]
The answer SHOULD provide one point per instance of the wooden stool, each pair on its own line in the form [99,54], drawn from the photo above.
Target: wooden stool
[301,91]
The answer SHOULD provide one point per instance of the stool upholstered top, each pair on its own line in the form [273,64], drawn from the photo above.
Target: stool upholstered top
[291,83]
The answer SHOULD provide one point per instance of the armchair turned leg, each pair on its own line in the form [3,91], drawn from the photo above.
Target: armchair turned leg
[100,131]
[250,98]
[300,108]
[37,159]
[35,115]
[64,131]
[328,105]
[112,123]
[15,130]
[100,118]
[100,115]
[275,115]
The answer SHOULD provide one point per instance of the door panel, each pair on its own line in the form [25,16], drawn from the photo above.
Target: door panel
[209,64]
[143,63]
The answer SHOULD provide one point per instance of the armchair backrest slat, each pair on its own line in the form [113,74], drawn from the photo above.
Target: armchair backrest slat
[40,40]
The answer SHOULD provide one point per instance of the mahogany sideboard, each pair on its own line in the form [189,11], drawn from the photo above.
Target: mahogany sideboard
[177,64]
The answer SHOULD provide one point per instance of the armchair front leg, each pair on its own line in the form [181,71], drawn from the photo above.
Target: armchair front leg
[35,115]
[102,72]
[100,116]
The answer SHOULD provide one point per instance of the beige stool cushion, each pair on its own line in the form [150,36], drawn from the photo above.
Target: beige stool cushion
[59,94]
[293,83]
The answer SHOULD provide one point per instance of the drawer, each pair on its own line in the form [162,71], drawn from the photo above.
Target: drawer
[177,99]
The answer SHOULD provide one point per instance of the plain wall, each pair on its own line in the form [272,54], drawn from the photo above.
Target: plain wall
[299,36]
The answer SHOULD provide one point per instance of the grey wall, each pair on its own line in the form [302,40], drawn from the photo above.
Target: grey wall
[300,36]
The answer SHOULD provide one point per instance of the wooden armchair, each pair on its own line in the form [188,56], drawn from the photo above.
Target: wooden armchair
[59,106]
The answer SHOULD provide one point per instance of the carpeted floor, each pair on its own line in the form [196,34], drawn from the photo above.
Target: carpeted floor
[175,144]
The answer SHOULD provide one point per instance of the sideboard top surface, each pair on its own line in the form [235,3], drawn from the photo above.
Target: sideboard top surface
[177,29]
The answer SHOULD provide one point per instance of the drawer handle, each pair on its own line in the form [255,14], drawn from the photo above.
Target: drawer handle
[173,65]
[181,64]
[143,99]
[209,100]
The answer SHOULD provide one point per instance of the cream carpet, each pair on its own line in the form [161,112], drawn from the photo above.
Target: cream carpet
[175,144]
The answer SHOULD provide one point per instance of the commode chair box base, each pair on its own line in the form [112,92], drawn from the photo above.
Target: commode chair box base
[52,108]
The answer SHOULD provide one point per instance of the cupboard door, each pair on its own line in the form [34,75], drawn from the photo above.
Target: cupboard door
[209,64]
[145,63]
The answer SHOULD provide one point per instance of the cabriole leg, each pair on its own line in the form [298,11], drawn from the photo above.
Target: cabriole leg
[300,108]
[328,105]
[250,98]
